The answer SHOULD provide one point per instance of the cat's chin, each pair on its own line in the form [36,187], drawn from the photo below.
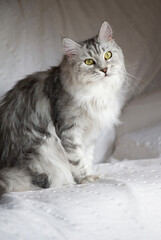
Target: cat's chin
[107,76]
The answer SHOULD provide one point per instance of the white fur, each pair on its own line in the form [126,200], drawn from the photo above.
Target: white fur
[98,97]
[16,180]
[52,160]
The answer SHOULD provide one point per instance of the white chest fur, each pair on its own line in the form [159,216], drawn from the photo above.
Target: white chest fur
[102,102]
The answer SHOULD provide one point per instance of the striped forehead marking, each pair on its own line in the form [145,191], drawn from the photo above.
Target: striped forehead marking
[92,47]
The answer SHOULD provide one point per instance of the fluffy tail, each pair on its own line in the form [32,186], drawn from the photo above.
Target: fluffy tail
[15,180]
[2,191]
[2,185]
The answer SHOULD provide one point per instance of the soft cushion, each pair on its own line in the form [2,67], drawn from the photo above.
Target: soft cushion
[139,135]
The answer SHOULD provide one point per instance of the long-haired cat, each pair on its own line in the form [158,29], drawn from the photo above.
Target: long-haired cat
[49,121]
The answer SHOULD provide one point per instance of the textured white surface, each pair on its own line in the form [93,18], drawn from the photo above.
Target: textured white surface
[125,205]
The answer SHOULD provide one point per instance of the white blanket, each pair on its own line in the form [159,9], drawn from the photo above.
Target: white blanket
[125,205]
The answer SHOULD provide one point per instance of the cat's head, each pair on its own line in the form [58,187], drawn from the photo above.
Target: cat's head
[95,59]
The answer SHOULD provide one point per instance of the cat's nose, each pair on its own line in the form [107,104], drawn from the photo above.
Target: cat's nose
[104,70]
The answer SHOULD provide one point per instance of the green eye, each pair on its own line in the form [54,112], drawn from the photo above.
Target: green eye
[108,55]
[89,61]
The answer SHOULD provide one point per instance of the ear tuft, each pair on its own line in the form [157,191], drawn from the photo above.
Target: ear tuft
[71,48]
[105,33]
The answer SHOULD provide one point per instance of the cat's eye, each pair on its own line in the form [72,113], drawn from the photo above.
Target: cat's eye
[89,61]
[108,55]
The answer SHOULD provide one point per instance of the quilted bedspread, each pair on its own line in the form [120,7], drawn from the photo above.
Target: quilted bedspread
[124,205]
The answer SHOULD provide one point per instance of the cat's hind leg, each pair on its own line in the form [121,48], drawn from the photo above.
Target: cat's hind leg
[51,160]
[16,180]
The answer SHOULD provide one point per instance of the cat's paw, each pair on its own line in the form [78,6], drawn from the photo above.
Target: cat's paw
[87,179]
[91,178]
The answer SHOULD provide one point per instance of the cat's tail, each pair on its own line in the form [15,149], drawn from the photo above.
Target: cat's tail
[2,191]
[2,185]
[15,180]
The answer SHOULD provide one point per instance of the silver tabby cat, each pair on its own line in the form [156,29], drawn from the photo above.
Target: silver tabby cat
[49,121]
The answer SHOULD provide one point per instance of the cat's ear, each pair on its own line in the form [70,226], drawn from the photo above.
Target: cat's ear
[105,33]
[71,48]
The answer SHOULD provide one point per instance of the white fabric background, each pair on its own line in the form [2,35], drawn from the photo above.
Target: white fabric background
[30,33]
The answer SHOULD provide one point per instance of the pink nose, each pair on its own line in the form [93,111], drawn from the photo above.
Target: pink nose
[104,70]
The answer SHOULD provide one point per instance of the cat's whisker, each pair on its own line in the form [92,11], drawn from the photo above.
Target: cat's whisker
[140,80]
[135,64]
[139,83]
[134,76]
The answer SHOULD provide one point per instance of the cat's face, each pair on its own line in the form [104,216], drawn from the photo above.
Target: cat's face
[96,59]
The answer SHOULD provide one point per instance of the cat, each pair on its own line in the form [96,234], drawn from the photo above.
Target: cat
[50,120]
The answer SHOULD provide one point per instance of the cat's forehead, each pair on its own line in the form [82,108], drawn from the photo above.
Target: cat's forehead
[93,47]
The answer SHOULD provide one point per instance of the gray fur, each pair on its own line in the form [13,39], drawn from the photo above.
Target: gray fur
[2,188]
[18,118]
[41,180]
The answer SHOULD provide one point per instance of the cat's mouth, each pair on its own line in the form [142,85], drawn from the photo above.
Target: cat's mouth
[106,75]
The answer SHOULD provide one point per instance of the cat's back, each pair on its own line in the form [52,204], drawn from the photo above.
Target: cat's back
[23,109]
[23,90]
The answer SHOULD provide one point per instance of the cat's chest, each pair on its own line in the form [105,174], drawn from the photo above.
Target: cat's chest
[102,111]
[100,104]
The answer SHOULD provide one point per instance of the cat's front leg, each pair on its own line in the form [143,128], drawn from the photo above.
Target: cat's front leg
[80,167]
[89,153]
[86,165]
[81,171]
